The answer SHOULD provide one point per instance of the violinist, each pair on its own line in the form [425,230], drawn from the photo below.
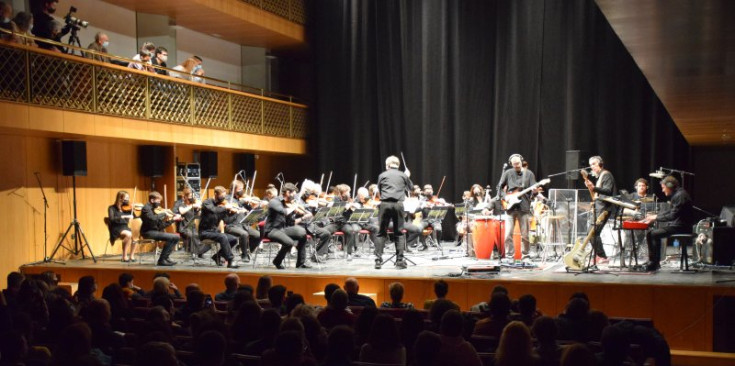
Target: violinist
[155,220]
[429,200]
[118,215]
[311,201]
[214,210]
[341,224]
[248,238]
[283,228]
[413,219]
[363,198]
[189,209]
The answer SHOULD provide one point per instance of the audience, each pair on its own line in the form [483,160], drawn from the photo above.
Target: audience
[352,287]
[264,285]
[441,289]
[232,283]
[396,295]
[159,59]
[484,307]
[383,345]
[101,41]
[21,26]
[45,327]
[527,312]
[6,11]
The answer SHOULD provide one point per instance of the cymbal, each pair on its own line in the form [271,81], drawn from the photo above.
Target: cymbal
[657,174]
[646,200]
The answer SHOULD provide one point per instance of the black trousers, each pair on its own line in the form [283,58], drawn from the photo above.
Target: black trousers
[413,233]
[390,212]
[288,237]
[654,237]
[247,237]
[170,239]
[350,231]
[226,242]
[321,235]
[191,236]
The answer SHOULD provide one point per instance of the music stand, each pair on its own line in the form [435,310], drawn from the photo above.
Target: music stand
[253,217]
[436,214]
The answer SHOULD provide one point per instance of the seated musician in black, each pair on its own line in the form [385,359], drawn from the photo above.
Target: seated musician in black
[341,224]
[155,220]
[677,219]
[282,227]
[309,198]
[645,199]
[248,238]
[372,225]
[214,210]
[118,215]
[428,200]
[188,207]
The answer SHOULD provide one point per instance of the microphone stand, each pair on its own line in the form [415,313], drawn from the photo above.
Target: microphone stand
[682,172]
[46,259]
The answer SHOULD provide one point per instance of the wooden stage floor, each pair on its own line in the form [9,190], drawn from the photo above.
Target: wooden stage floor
[659,296]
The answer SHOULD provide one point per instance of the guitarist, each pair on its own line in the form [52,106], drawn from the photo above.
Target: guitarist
[514,180]
[605,185]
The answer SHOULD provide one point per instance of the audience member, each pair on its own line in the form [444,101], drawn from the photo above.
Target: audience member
[615,348]
[159,59]
[545,331]
[572,323]
[197,73]
[97,316]
[14,279]
[292,301]
[515,347]
[210,349]
[412,324]
[85,291]
[352,287]
[455,350]
[384,344]
[336,312]
[184,69]
[170,288]
[270,323]
[247,324]
[120,309]
[100,44]
[329,290]
[21,26]
[129,288]
[156,353]
[578,354]
[441,289]
[276,297]
[363,325]
[427,349]
[288,351]
[232,283]
[264,285]
[396,295]
[44,24]
[484,307]
[499,317]
[527,312]
[437,311]
[142,63]
[6,12]
[596,323]
[340,346]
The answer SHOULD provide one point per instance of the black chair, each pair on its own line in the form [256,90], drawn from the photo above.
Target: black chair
[684,240]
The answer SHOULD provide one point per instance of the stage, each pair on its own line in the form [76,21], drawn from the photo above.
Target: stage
[660,296]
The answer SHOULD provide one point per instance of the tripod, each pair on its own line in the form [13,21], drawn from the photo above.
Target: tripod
[79,242]
[74,41]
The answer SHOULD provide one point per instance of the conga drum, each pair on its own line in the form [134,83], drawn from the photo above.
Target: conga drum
[486,234]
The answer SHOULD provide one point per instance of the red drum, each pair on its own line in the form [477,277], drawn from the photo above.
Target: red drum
[486,234]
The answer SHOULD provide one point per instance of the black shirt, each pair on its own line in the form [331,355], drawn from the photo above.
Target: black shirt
[605,186]
[43,27]
[162,64]
[360,300]
[211,215]
[187,218]
[392,185]
[117,222]
[151,220]
[681,213]
[513,180]
[276,218]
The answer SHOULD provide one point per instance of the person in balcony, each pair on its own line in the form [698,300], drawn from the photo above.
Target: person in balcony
[159,59]
[142,64]
[45,26]
[198,72]
[184,69]
[101,41]
[6,12]
[21,26]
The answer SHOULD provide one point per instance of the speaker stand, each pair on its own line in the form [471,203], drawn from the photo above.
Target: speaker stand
[80,240]
[46,259]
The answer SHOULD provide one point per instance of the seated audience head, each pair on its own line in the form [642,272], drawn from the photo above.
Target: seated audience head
[161,286]
[75,341]
[499,306]
[232,281]
[578,354]
[195,300]
[289,347]
[412,324]
[527,305]
[264,285]
[270,324]
[596,322]
[24,21]
[426,349]
[438,309]
[51,279]
[515,347]
[615,345]
[211,346]
[164,301]
[329,290]
[6,10]
[87,287]
[293,301]
[156,353]
[577,309]
[340,344]
[190,288]
[384,333]
[339,300]
[97,312]
[499,289]
[351,286]
[148,47]
[15,279]
[579,295]
[396,292]
[276,295]
[452,324]
[125,280]
[545,330]
[102,39]
[441,289]
[364,323]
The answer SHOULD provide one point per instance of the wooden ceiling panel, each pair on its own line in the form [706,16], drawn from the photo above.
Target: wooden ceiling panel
[686,50]
[231,20]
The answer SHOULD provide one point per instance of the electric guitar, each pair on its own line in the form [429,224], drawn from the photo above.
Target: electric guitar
[586,178]
[577,257]
[512,199]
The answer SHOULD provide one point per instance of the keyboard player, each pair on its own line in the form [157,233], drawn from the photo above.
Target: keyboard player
[647,204]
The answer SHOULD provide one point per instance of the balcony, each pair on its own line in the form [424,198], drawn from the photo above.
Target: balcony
[40,78]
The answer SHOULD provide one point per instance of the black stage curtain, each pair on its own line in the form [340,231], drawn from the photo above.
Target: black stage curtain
[458,86]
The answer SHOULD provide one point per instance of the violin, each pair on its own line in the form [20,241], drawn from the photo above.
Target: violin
[169,214]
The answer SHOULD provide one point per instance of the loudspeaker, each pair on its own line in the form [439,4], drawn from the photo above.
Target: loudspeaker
[723,245]
[208,161]
[151,160]
[74,158]
[572,163]
[246,162]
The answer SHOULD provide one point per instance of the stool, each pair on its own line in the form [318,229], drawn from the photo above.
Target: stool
[337,237]
[683,239]
[552,236]
[364,234]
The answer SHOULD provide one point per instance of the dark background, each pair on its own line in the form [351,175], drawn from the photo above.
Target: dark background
[458,86]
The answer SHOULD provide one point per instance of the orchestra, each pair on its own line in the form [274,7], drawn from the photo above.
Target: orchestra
[485,224]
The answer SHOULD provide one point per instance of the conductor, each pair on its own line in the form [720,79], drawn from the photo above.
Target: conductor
[392,184]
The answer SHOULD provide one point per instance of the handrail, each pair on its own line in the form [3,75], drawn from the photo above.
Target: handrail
[218,82]
[41,77]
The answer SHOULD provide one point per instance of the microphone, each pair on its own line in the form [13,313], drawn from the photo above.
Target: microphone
[505,165]
[489,188]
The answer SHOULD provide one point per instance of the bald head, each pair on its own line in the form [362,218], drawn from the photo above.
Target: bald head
[351,285]
[232,281]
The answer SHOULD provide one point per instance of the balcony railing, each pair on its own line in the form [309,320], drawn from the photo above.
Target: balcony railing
[39,77]
[293,10]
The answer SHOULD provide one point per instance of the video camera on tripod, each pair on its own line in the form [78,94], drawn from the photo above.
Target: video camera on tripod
[73,24]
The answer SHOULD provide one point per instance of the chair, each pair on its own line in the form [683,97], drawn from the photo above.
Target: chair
[336,238]
[109,243]
[135,225]
[684,240]
[264,243]
[363,237]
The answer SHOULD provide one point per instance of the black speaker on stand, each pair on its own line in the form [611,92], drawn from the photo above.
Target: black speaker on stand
[151,160]
[572,164]
[74,163]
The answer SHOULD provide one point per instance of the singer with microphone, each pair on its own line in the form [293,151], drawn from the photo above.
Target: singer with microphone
[512,181]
